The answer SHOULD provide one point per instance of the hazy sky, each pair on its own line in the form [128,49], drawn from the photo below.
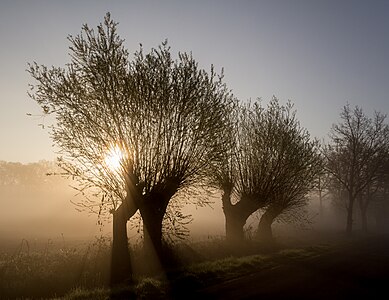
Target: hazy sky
[319,54]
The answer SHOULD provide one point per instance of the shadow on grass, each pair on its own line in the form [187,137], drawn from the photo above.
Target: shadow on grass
[188,268]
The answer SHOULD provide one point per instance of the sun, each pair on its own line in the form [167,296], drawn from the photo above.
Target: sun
[114,159]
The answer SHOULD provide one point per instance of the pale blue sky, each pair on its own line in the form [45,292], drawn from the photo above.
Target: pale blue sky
[319,54]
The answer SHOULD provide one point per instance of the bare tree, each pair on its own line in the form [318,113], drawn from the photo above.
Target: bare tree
[374,189]
[159,118]
[380,201]
[355,154]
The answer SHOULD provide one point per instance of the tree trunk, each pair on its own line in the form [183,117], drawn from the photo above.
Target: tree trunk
[363,205]
[120,255]
[153,210]
[321,203]
[235,222]
[120,258]
[364,219]
[152,230]
[264,231]
[350,208]
[236,216]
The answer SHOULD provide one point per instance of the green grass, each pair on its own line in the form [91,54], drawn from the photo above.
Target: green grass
[82,273]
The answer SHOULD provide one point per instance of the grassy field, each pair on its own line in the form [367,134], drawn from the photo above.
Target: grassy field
[209,267]
[44,271]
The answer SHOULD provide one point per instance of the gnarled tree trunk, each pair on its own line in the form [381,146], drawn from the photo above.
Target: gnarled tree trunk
[235,222]
[121,269]
[264,231]
[152,217]
[153,209]
[236,216]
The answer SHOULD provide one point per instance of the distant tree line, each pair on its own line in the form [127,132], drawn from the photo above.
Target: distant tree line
[178,129]
[32,174]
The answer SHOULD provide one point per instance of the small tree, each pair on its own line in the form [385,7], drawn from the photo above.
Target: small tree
[136,132]
[381,198]
[375,189]
[355,155]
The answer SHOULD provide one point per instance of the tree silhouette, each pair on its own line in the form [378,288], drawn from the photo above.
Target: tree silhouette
[162,117]
[296,165]
[380,197]
[356,154]
[272,163]
[322,187]
[238,173]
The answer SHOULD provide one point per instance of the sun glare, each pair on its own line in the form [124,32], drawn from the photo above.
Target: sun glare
[114,158]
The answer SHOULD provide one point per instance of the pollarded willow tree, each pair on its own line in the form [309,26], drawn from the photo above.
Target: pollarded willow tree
[241,175]
[272,165]
[299,164]
[159,118]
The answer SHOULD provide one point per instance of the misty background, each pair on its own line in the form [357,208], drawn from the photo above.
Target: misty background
[319,54]
[39,205]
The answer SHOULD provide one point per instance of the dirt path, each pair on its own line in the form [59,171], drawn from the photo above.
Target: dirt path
[353,271]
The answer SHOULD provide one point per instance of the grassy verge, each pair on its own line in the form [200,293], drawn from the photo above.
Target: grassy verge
[189,280]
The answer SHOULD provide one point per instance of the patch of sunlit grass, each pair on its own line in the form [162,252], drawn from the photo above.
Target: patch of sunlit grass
[303,253]
[81,293]
[227,265]
[145,288]
[150,288]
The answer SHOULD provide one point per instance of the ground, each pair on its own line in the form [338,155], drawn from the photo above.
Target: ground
[320,268]
[352,270]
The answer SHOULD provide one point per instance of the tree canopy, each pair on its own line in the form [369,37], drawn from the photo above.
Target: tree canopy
[162,117]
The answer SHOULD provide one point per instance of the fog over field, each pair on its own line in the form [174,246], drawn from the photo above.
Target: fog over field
[41,206]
